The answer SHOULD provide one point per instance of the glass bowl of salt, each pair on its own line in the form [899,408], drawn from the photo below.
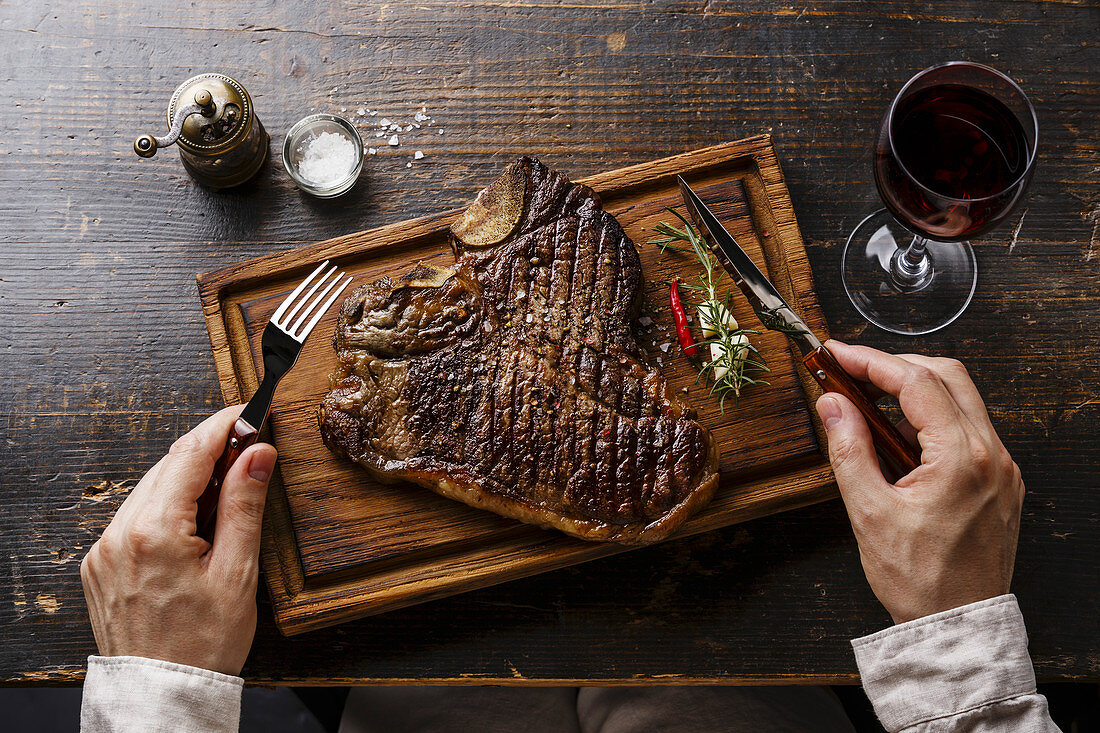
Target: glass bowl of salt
[323,154]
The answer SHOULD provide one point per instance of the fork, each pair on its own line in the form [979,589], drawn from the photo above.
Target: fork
[281,343]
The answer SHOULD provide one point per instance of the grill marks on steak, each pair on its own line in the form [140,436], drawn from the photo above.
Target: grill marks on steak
[512,381]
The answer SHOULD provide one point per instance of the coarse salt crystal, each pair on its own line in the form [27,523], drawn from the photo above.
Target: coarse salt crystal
[360,111]
[379,134]
[384,122]
[372,151]
[374,113]
[408,165]
[394,141]
[440,132]
[645,320]
[418,154]
[326,159]
[665,346]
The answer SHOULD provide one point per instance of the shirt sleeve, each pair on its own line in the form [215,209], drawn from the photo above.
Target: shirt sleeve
[966,669]
[123,694]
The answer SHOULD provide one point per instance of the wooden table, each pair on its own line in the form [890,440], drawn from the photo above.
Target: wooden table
[105,356]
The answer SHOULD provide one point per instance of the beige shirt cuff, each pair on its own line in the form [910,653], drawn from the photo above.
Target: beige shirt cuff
[947,664]
[123,694]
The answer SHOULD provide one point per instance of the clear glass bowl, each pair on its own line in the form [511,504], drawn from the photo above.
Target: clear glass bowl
[310,127]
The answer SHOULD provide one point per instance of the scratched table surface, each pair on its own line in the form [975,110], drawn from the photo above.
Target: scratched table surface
[105,356]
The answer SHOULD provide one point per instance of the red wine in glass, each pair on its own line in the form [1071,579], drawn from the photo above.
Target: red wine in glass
[953,157]
[951,161]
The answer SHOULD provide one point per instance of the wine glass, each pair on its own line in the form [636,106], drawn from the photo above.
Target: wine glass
[954,155]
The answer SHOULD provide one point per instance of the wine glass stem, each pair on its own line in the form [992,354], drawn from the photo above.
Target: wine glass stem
[911,267]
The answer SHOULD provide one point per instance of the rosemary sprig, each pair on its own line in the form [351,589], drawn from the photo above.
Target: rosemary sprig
[736,363]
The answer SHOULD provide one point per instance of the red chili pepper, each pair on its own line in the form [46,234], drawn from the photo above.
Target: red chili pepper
[683,330]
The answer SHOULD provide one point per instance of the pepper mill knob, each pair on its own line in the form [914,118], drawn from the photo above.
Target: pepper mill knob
[145,146]
[205,100]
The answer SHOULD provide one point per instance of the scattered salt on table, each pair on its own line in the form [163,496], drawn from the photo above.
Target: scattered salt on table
[326,159]
[418,154]
[394,141]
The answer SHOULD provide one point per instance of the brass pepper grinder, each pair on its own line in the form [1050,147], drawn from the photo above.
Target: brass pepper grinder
[222,143]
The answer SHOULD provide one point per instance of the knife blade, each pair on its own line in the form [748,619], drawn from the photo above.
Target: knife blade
[777,315]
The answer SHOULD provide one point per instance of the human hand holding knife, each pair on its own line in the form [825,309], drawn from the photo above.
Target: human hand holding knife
[776,315]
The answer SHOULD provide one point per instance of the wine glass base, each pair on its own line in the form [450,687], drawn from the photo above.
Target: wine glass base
[925,302]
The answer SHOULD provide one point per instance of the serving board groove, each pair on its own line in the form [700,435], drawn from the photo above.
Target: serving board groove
[338,545]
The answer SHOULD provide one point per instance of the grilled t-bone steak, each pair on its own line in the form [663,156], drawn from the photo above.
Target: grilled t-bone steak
[511,381]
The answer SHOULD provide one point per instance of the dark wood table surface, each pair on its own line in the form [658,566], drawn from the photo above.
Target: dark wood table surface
[105,356]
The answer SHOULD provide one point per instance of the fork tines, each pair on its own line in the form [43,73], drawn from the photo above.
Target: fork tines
[282,317]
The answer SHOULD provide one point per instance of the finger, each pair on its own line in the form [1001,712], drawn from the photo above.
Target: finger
[131,505]
[241,509]
[852,454]
[190,461]
[923,397]
[957,379]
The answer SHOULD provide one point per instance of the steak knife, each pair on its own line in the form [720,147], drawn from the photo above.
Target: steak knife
[776,315]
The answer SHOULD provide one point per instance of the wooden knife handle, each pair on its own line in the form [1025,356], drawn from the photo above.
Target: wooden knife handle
[240,437]
[890,444]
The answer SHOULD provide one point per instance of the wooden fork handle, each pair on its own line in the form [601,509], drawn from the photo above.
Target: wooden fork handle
[240,437]
[890,444]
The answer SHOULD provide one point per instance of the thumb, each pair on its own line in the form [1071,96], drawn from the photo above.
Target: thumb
[851,452]
[241,508]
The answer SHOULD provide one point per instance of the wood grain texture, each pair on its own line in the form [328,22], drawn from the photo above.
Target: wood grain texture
[104,360]
[365,547]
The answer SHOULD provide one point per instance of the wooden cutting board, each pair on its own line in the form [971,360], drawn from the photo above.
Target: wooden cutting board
[338,545]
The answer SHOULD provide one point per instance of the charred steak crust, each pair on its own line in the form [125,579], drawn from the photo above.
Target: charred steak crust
[512,381]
